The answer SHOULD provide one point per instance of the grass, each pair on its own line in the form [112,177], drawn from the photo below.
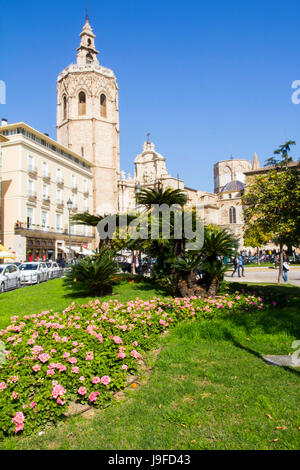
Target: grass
[52,295]
[210,388]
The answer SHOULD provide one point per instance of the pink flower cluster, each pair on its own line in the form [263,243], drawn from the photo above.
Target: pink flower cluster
[18,420]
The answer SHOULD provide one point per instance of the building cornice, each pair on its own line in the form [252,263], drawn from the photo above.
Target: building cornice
[47,139]
[75,68]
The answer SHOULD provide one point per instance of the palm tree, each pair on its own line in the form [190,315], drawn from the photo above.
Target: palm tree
[85,218]
[169,196]
[93,275]
[216,243]
[215,270]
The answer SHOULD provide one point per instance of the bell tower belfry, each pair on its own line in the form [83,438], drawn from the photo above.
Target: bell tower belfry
[88,119]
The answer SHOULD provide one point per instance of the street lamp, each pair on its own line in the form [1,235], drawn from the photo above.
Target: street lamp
[70,207]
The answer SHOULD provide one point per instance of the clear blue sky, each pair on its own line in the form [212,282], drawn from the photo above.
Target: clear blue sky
[207,79]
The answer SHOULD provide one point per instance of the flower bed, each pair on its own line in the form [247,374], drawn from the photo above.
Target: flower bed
[85,353]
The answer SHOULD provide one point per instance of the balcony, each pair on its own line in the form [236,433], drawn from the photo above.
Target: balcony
[86,193]
[46,201]
[60,183]
[59,205]
[32,171]
[32,197]
[47,178]
[75,209]
[74,189]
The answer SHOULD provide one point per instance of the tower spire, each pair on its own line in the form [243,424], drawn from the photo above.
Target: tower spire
[87,52]
[255,164]
[87,19]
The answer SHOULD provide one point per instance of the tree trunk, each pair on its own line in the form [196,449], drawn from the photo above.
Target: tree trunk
[213,288]
[133,263]
[280,263]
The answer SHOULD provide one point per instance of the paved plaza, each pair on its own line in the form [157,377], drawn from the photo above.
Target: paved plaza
[265,274]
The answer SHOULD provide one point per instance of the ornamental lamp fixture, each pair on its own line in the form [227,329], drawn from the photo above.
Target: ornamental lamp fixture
[70,205]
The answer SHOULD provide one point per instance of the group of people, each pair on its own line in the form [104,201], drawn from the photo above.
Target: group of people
[238,265]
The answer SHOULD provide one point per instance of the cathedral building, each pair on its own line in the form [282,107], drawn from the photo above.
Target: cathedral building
[40,174]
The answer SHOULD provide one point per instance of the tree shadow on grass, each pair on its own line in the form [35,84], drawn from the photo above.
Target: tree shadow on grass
[139,286]
[229,336]
[281,312]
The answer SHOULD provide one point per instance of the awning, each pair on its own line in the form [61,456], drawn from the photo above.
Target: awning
[5,253]
[81,250]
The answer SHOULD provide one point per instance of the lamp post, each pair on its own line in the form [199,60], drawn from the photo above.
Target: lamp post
[70,207]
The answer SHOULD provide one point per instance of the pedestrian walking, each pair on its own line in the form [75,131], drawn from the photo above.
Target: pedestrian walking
[285,267]
[285,270]
[235,266]
[241,266]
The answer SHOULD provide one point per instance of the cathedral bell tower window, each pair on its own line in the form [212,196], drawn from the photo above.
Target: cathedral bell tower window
[89,58]
[232,215]
[64,107]
[103,110]
[81,104]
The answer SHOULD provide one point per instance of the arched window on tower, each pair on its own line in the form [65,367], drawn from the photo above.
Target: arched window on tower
[89,58]
[232,215]
[81,104]
[64,107]
[103,109]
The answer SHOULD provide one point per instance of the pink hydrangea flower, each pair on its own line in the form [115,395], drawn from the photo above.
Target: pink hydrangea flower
[75,370]
[135,354]
[82,391]
[2,385]
[36,367]
[18,420]
[58,391]
[117,339]
[124,367]
[44,357]
[93,396]
[105,380]
[96,380]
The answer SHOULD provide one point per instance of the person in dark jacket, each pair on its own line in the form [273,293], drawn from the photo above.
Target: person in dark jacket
[235,266]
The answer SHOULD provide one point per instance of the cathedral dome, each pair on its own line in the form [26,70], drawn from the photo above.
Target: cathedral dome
[233,186]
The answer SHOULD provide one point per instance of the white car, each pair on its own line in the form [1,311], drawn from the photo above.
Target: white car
[9,277]
[54,269]
[33,273]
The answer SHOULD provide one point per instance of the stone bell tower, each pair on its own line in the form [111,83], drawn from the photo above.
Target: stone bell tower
[88,119]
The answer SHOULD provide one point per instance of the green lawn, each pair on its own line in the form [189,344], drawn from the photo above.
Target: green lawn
[52,295]
[209,389]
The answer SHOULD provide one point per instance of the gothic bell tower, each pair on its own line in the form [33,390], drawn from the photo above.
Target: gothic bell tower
[88,119]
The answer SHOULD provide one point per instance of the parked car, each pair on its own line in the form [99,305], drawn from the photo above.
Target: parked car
[33,273]
[9,277]
[46,270]
[54,269]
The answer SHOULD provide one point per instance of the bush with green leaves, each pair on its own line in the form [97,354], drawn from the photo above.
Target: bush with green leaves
[93,275]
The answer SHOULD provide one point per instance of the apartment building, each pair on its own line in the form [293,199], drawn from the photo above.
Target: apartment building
[39,177]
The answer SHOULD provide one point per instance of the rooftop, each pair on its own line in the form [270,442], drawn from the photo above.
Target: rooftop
[45,141]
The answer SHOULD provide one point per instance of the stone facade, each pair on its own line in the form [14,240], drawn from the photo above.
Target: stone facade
[223,207]
[88,127]
[88,119]
[38,177]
